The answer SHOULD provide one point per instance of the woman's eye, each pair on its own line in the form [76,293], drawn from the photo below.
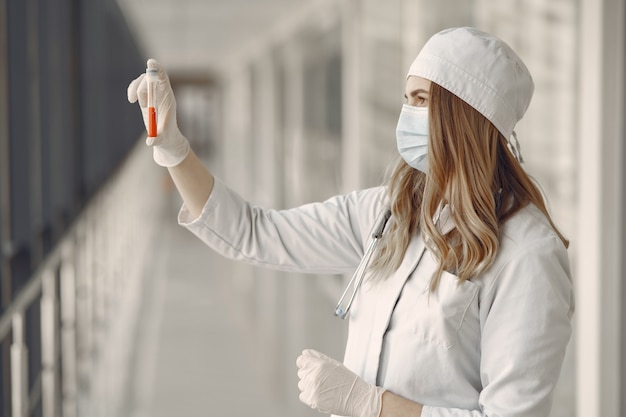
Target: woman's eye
[416,100]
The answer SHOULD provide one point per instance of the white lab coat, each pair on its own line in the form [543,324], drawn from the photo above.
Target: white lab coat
[492,346]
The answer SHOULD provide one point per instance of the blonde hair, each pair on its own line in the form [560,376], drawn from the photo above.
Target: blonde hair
[472,171]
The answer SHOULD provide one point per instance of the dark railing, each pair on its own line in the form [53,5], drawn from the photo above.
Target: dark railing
[70,329]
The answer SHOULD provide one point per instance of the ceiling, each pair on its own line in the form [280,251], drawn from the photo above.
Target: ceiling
[194,36]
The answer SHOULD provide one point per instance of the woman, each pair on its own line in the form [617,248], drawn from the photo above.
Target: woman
[466,305]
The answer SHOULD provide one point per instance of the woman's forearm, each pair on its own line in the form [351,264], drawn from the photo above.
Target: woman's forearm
[396,406]
[194,183]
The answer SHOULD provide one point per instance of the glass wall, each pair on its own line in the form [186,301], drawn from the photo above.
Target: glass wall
[65,126]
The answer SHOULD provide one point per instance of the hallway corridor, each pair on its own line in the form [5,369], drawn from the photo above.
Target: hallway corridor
[109,308]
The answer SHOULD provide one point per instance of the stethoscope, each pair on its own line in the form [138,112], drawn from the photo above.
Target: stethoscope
[359,273]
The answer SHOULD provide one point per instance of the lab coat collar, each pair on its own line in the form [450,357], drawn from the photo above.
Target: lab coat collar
[444,219]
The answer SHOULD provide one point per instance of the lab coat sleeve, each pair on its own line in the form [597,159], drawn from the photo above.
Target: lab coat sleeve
[324,237]
[525,318]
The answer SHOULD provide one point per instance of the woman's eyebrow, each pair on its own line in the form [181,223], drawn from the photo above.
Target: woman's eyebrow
[415,92]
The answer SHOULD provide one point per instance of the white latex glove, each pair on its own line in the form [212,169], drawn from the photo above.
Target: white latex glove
[170,147]
[329,387]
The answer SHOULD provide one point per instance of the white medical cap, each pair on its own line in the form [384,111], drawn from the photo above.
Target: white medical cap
[481,70]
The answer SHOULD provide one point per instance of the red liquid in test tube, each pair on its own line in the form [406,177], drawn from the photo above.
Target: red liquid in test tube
[152,124]
[151,79]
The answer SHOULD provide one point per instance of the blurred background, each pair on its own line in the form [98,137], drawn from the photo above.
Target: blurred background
[109,308]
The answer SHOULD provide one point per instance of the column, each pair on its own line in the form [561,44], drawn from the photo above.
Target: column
[600,240]
[352,104]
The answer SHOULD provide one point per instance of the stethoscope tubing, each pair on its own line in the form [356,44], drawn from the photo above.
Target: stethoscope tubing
[359,273]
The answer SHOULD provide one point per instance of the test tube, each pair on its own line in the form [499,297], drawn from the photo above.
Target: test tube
[151,79]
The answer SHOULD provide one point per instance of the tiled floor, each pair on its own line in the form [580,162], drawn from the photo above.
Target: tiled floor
[191,358]
[194,355]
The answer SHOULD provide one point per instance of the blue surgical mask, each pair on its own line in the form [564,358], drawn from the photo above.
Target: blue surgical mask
[412,136]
